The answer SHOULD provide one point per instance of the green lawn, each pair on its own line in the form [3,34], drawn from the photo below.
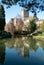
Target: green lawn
[40,36]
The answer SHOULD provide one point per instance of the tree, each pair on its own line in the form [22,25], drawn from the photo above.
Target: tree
[2,18]
[32,26]
[42,26]
[33,5]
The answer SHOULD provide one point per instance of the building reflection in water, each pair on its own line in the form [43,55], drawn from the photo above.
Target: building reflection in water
[22,45]
[25,52]
[2,52]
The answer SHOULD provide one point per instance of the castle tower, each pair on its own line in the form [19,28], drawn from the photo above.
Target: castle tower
[24,14]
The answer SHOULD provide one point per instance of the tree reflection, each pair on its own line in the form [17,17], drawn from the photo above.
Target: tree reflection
[40,43]
[33,45]
[23,45]
[2,52]
[25,52]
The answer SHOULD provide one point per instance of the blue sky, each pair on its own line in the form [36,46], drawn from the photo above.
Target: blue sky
[16,10]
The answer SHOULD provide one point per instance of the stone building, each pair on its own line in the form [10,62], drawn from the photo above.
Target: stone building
[10,27]
[25,17]
[20,24]
[15,24]
[24,14]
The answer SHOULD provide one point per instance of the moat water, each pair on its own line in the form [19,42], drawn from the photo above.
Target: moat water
[21,51]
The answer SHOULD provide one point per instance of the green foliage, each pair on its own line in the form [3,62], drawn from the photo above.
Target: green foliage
[5,34]
[2,18]
[32,26]
[33,5]
[42,26]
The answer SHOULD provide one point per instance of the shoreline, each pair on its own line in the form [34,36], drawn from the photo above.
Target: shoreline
[39,37]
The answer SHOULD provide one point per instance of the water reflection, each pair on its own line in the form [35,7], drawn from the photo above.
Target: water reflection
[20,44]
[2,52]
[22,50]
[24,44]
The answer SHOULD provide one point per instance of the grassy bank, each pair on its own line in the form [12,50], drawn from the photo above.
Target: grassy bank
[40,36]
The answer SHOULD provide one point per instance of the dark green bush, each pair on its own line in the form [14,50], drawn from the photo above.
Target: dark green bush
[5,34]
